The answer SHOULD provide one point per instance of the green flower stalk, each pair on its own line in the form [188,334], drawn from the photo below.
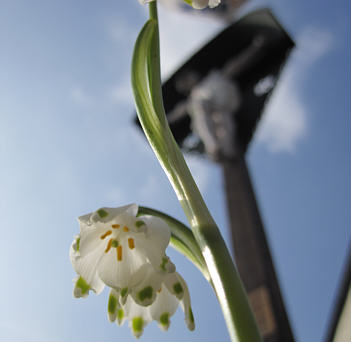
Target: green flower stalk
[222,273]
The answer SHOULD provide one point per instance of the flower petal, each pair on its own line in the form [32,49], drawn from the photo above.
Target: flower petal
[186,305]
[74,249]
[200,4]
[81,288]
[118,265]
[91,241]
[155,242]
[213,3]
[115,310]
[113,305]
[174,284]
[163,308]
[146,283]
[138,316]
[86,267]
[104,215]
[108,214]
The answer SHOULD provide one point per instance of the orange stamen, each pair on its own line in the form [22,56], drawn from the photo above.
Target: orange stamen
[131,243]
[125,229]
[159,290]
[119,253]
[108,245]
[106,234]
[115,226]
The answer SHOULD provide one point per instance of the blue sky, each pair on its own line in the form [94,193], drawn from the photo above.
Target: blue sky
[68,146]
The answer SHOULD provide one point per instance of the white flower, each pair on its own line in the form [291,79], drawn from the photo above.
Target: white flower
[127,253]
[113,248]
[173,290]
[198,4]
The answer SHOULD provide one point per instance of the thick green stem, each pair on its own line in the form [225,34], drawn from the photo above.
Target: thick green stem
[224,276]
[176,168]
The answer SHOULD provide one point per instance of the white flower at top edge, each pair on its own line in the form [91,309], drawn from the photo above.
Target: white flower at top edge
[173,290]
[198,4]
[113,248]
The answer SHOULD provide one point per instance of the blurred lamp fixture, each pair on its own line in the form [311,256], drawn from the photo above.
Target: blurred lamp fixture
[250,53]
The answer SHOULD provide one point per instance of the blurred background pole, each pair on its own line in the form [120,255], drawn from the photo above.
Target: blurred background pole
[339,329]
[252,255]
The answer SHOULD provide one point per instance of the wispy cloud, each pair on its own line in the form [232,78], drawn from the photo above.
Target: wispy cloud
[121,30]
[285,122]
[80,97]
[121,93]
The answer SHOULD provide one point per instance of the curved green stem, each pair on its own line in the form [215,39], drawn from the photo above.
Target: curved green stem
[148,98]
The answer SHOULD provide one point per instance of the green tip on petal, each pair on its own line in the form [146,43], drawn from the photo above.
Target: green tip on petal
[112,304]
[164,321]
[137,326]
[163,264]
[191,316]
[178,288]
[120,316]
[124,295]
[145,293]
[191,321]
[102,213]
[81,288]
[139,223]
[124,291]
[77,244]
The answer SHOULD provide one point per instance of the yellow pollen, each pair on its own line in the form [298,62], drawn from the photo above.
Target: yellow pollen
[159,290]
[115,226]
[108,245]
[119,253]
[131,243]
[106,234]
[125,229]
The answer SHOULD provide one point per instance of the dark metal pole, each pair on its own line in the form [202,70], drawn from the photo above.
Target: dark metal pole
[252,255]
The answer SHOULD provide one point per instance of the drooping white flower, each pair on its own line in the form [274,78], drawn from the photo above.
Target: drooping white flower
[172,292]
[112,249]
[127,253]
